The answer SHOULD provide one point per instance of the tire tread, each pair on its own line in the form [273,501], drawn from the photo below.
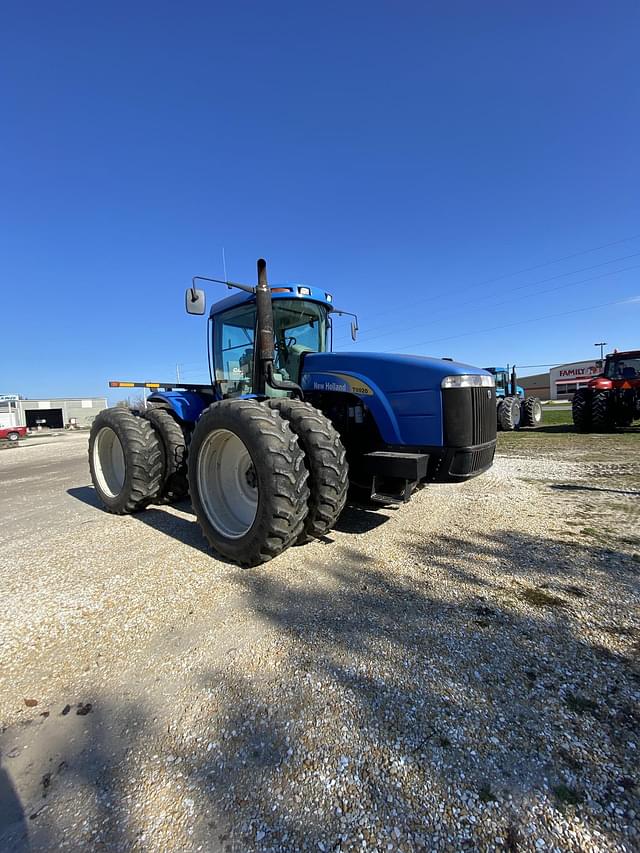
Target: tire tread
[325,459]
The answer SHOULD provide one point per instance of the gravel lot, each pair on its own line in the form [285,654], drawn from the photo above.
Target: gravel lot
[459,674]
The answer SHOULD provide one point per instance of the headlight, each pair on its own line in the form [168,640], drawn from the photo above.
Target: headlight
[468,380]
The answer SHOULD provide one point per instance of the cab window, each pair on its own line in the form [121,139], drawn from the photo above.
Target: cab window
[624,368]
[233,335]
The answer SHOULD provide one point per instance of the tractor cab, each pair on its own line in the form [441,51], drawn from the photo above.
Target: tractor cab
[623,366]
[301,325]
[504,382]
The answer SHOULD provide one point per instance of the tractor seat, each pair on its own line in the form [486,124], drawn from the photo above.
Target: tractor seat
[294,357]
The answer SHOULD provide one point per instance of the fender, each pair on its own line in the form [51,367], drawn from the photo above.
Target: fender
[187,405]
[364,388]
[600,383]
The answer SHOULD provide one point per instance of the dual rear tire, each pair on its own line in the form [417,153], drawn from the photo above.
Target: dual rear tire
[514,413]
[126,461]
[531,412]
[509,414]
[592,411]
[137,459]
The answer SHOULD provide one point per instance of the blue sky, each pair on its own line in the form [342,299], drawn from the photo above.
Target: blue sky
[411,158]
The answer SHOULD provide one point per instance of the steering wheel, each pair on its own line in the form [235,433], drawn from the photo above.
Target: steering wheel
[288,343]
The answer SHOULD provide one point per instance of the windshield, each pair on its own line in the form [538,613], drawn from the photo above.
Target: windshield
[299,327]
[623,368]
[501,379]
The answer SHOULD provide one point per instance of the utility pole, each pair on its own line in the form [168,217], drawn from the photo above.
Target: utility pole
[177,374]
[602,345]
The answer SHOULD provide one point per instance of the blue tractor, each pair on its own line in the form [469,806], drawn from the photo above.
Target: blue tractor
[269,448]
[514,409]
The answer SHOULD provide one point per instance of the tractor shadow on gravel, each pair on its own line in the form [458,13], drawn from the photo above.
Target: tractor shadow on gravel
[398,691]
[355,518]
[392,698]
[485,676]
[86,495]
[575,487]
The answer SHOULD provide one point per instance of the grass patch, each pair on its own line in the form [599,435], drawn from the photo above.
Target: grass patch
[580,704]
[552,418]
[566,795]
[575,590]
[486,795]
[539,598]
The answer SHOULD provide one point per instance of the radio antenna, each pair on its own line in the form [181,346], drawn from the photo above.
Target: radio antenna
[224,265]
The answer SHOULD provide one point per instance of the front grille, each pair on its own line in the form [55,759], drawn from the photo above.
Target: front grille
[469,416]
[483,413]
[467,462]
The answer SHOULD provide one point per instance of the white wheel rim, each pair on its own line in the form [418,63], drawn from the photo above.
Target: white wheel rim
[227,483]
[108,462]
[516,414]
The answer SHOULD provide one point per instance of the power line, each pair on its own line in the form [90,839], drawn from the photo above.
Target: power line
[529,295]
[517,323]
[530,366]
[504,276]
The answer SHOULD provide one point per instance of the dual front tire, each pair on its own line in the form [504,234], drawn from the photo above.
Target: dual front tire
[264,476]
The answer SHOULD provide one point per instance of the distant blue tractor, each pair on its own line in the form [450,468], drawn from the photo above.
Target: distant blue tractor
[268,449]
[514,409]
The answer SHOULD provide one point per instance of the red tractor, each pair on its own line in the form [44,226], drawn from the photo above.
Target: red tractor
[612,399]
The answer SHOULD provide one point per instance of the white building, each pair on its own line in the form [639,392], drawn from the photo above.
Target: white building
[565,379]
[54,413]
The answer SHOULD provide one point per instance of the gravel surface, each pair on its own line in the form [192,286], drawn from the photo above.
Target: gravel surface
[458,674]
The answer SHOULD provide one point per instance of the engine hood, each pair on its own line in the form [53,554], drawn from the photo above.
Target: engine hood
[390,371]
[402,392]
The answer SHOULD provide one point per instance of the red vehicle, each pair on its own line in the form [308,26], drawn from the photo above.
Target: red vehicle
[612,399]
[13,433]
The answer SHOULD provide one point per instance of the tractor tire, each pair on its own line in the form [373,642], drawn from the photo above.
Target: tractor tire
[601,415]
[531,412]
[509,413]
[126,461]
[13,436]
[175,485]
[581,410]
[325,459]
[248,481]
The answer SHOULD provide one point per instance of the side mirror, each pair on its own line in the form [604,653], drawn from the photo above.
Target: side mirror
[354,330]
[195,301]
